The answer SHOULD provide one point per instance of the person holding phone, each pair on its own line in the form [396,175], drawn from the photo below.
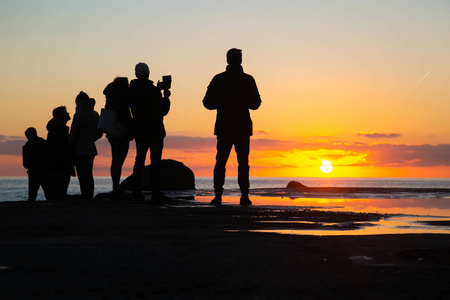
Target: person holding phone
[148,107]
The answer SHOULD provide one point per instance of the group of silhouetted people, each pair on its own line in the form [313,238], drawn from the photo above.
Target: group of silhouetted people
[140,106]
[52,162]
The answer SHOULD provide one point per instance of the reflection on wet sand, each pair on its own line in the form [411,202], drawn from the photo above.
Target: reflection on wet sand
[392,225]
[403,216]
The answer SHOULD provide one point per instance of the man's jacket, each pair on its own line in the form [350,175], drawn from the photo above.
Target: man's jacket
[148,108]
[233,93]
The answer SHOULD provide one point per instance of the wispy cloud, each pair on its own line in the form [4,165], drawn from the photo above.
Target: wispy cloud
[376,155]
[5,138]
[409,155]
[260,132]
[190,143]
[421,79]
[322,137]
[11,145]
[379,135]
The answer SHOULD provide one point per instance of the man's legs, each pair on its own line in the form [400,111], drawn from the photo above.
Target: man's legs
[119,151]
[224,145]
[242,147]
[33,185]
[45,183]
[156,148]
[59,181]
[141,153]
[84,165]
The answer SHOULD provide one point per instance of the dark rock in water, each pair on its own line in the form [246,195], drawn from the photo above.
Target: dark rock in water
[108,196]
[103,196]
[296,185]
[174,176]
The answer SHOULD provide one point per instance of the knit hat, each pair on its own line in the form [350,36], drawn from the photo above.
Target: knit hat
[141,70]
[81,96]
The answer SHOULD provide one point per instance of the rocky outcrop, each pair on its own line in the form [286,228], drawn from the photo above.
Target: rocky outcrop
[174,176]
[296,185]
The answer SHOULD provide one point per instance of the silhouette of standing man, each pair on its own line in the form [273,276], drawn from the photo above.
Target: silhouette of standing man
[232,93]
[148,107]
[61,160]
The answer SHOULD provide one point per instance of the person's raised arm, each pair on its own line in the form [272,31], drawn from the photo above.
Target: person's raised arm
[166,102]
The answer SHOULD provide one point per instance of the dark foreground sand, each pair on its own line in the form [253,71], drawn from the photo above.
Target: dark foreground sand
[126,250]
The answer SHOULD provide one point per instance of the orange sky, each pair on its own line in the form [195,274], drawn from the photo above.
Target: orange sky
[363,84]
[272,158]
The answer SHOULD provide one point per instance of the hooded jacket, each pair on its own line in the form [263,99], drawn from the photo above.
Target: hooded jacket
[58,144]
[232,93]
[84,132]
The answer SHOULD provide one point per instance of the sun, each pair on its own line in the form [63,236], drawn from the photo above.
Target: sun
[326,166]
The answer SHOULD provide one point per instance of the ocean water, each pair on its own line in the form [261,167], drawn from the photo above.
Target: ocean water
[16,188]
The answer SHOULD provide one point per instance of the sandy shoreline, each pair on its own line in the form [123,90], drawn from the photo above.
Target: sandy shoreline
[126,250]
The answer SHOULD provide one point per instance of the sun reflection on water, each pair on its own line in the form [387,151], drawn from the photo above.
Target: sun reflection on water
[407,215]
[394,225]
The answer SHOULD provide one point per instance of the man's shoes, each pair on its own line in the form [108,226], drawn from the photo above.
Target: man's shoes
[245,200]
[217,200]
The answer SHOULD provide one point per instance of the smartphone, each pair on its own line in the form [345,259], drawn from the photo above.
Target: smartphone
[167,81]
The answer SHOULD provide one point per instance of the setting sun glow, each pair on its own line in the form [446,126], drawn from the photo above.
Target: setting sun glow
[326,166]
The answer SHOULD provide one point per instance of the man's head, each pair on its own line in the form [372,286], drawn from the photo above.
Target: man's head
[60,113]
[31,133]
[234,56]
[142,71]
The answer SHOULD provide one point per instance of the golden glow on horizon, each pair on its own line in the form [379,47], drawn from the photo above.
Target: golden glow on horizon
[303,163]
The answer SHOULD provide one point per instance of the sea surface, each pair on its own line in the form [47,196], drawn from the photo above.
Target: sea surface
[16,188]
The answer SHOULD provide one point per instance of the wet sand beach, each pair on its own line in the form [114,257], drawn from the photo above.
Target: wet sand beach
[105,249]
